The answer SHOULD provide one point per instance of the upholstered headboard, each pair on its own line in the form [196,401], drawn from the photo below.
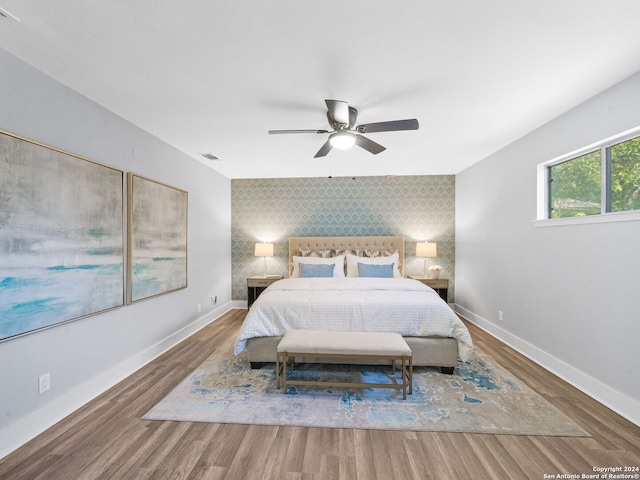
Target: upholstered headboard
[345,243]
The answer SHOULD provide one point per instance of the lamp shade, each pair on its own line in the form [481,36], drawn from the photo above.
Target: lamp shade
[264,250]
[426,249]
[342,140]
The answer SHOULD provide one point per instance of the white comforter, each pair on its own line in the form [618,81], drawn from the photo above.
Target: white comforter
[397,305]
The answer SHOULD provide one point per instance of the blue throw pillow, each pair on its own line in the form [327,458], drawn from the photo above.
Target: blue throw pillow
[381,271]
[308,270]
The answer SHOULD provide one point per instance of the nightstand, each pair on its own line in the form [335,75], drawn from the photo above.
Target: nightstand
[257,284]
[440,285]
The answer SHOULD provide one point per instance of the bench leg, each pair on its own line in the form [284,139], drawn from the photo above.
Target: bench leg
[405,378]
[284,373]
[411,375]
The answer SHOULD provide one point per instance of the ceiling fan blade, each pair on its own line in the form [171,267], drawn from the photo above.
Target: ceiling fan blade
[410,124]
[278,132]
[353,117]
[324,150]
[338,111]
[369,145]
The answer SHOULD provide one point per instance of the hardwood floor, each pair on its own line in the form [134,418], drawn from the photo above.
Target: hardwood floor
[106,439]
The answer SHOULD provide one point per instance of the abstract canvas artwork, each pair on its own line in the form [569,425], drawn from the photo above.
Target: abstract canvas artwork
[61,237]
[157,238]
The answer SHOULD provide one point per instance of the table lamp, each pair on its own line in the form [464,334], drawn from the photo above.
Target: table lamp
[426,250]
[264,250]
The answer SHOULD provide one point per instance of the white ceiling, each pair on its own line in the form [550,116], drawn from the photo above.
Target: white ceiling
[216,75]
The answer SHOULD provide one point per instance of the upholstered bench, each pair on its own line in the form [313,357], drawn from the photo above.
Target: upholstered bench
[345,345]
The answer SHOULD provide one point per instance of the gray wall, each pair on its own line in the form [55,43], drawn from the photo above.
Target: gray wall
[87,356]
[568,293]
[418,207]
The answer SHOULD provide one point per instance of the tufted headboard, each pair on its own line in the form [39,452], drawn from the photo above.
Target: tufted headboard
[344,243]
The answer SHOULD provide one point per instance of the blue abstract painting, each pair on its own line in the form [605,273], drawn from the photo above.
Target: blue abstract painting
[61,237]
[157,238]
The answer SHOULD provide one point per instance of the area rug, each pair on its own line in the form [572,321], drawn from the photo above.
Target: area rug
[480,397]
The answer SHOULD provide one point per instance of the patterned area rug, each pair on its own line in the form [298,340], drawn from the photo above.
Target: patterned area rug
[480,397]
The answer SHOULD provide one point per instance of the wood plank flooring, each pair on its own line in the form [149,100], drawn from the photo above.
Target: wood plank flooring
[106,439]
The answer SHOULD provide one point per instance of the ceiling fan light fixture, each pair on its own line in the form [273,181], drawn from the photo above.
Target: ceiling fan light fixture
[342,140]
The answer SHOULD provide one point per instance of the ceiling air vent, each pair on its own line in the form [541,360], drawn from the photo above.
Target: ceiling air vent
[209,156]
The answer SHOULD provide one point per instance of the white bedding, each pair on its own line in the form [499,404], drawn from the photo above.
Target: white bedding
[398,305]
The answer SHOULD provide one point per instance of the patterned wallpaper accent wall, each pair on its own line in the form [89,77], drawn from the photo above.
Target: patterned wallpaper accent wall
[272,210]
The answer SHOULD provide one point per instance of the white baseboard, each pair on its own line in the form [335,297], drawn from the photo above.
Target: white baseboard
[617,401]
[20,432]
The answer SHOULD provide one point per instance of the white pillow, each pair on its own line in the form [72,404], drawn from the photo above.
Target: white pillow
[338,270]
[352,264]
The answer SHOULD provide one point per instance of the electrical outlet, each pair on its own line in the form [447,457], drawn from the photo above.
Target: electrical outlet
[214,300]
[44,383]
[500,315]
[199,308]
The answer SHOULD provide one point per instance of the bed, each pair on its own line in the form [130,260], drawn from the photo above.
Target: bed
[346,301]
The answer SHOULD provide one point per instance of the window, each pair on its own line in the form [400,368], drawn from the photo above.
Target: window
[600,179]
[574,187]
[623,171]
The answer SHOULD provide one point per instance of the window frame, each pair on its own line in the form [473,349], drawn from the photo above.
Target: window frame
[605,215]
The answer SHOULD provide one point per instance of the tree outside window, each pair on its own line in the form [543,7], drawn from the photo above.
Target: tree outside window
[624,168]
[575,185]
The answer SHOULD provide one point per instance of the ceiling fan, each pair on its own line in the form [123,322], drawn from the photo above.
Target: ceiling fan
[342,119]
